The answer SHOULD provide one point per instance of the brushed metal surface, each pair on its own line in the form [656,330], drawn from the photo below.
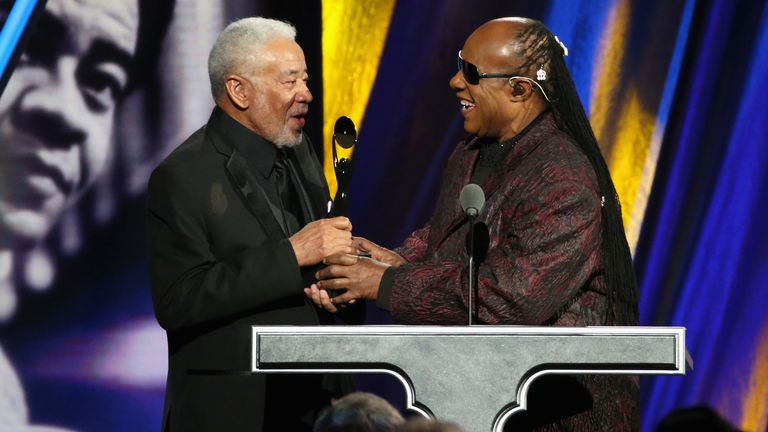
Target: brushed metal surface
[474,376]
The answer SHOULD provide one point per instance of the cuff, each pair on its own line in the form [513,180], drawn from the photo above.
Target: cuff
[385,289]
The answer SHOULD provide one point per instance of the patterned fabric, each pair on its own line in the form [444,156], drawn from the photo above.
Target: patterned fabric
[543,265]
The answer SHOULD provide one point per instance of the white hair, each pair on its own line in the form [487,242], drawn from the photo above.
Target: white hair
[239,46]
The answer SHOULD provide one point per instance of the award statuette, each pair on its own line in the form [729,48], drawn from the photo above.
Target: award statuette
[345,136]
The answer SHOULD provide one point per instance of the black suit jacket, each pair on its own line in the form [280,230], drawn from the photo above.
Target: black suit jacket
[220,262]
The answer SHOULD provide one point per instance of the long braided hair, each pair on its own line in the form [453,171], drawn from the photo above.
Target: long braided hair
[541,50]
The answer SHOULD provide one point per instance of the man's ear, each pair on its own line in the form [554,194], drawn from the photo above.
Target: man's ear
[520,89]
[239,91]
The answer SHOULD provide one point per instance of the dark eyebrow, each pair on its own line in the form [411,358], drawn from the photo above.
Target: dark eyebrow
[101,50]
[56,32]
[106,51]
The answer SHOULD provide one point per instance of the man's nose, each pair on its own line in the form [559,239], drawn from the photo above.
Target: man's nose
[457,81]
[304,95]
[53,108]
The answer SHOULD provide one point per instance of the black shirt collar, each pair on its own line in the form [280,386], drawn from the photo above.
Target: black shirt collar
[255,149]
[477,142]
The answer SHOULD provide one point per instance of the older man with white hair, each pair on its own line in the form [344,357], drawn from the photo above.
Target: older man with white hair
[236,231]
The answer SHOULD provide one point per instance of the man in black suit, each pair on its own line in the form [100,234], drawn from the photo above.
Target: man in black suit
[236,230]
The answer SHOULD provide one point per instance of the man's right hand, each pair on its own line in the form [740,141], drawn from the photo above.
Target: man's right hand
[321,239]
[378,253]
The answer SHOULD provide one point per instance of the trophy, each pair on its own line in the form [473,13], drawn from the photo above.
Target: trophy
[344,136]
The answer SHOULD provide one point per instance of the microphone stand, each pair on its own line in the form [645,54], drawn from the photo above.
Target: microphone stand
[472,199]
[472,276]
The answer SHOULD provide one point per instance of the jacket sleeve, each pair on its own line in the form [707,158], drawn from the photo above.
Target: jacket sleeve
[190,285]
[415,245]
[542,251]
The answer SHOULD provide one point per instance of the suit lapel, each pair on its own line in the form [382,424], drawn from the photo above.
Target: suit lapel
[312,188]
[458,175]
[244,181]
[502,174]
[268,214]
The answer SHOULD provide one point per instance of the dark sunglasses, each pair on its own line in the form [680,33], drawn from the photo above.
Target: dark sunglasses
[472,76]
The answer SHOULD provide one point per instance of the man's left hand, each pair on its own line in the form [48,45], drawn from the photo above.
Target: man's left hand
[360,276]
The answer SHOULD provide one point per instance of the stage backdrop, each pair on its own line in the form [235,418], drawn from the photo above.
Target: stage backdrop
[674,92]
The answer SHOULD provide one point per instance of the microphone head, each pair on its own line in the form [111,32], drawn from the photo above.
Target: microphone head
[472,199]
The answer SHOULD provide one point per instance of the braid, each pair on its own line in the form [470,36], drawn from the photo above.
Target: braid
[540,50]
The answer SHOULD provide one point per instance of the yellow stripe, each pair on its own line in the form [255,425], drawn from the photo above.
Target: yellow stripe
[608,67]
[629,161]
[623,127]
[353,34]
[754,415]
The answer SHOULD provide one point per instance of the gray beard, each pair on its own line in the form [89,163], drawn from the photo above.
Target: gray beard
[283,141]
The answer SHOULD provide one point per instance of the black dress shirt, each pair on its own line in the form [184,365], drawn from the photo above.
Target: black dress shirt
[277,172]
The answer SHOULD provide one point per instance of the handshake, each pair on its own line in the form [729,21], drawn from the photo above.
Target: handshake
[354,264]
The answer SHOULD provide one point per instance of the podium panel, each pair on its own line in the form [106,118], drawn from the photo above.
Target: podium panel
[474,376]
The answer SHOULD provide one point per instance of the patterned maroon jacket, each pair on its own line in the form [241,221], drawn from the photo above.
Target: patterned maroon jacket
[543,265]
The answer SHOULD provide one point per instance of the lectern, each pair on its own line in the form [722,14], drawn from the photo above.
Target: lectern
[474,376]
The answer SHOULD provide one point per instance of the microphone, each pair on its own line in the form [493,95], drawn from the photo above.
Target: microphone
[472,200]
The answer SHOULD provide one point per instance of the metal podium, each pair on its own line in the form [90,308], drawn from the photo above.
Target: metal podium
[474,376]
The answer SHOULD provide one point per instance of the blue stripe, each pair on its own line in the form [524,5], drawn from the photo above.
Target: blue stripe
[673,74]
[579,25]
[663,395]
[665,105]
[13,29]
[722,300]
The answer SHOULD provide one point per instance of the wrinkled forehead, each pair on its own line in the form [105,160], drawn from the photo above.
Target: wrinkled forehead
[113,21]
[284,55]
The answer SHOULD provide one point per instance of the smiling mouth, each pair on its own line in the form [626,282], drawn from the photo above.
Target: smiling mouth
[466,105]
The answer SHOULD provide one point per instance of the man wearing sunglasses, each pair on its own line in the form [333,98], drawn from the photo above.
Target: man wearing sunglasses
[557,253]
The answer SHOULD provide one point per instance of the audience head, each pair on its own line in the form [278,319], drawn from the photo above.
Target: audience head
[419,424]
[359,412]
